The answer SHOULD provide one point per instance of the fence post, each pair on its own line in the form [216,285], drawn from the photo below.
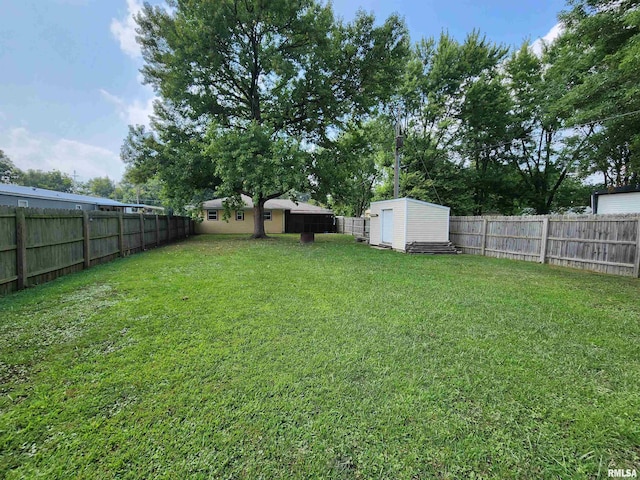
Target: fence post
[121,233]
[636,268]
[157,231]
[21,248]
[86,239]
[142,232]
[544,239]
[483,246]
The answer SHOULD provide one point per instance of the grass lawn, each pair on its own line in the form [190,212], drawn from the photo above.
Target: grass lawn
[221,357]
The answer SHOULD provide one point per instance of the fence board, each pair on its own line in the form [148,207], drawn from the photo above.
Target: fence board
[601,243]
[37,246]
[149,230]
[8,252]
[21,248]
[356,226]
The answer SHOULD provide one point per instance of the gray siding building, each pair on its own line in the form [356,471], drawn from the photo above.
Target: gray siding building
[31,197]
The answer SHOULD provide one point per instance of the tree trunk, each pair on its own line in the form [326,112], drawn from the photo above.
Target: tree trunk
[258,220]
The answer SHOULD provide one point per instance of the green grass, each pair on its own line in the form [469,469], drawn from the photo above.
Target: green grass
[222,357]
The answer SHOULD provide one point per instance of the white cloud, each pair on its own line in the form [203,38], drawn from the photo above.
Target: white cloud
[135,113]
[124,30]
[28,150]
[548,39]
[138,112]
[117,101]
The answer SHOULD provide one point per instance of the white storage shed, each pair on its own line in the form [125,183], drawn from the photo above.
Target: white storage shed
[402,222]
[617,200]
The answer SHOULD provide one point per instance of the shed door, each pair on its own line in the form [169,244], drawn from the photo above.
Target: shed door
[387,226]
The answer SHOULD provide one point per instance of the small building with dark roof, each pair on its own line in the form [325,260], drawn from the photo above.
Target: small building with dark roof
[617,200]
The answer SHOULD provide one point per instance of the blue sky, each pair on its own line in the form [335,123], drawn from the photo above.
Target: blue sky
[69,80]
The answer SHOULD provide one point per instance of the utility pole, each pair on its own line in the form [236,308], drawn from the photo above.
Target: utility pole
[396,170]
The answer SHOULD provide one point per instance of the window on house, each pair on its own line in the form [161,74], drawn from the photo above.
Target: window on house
[212,215]
[239,215]
[267,215]
[78,207]
[23,203]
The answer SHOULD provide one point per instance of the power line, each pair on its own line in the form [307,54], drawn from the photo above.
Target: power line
[593,122]
[607,118]
[433,183]
[612,117]
[585,124]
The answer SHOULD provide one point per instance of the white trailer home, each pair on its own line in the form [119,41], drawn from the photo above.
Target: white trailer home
[409,225]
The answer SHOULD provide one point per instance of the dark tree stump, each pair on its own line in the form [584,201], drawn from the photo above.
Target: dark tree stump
[307,237]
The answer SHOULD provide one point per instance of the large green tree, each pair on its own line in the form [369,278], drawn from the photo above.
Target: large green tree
[456,105]
[482,133]
[172,152]
[100,187]
[53,180]
[149,192]
[599,56]
[489,133]
[352,165]
[542,150]
[260,83]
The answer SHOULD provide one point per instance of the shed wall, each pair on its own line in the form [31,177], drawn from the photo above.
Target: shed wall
[375,233]
[426,223]
[619,203]
[399,214]
[399,224]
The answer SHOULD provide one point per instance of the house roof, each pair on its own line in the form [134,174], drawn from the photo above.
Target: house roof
[32,192]
[273,204]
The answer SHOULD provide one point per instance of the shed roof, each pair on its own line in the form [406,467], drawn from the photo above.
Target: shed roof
[625,189]
[273,204]
[412,200]
[33,192]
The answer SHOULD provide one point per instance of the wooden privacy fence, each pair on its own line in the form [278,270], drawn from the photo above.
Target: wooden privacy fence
[37,246]
[356,226]
[602,243]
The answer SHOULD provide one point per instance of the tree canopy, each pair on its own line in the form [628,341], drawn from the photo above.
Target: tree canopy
[52,180]
[599,57]
[253,86]
[271,98]
[100,187]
